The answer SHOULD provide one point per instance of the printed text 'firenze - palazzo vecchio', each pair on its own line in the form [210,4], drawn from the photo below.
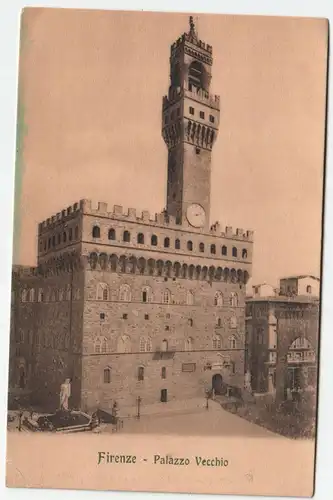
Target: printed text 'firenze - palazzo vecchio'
[129,305]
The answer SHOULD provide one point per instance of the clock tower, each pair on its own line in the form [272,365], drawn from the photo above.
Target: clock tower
[190,121]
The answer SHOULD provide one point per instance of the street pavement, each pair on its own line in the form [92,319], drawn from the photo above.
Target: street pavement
[197,421]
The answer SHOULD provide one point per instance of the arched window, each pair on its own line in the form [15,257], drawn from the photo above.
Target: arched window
[102,291]
[93,259]
[234,251]
[107,376]
[24,295]
[190,322]
[189,344]
[142,345]
[127,236]
[224,250]
[217,342]
[166,242]
[189,298]
[32,295]
[154,240]
[233,322]
[124,344]
[190,246]
[218,299]
[112,234]
[166,297]
[146,294]
[301,343]
[141,373]
[103,261]
[218,322]
[96,232]
[196,76]
[233,299]
[212,248]
[177,244]
[97,346]
[232,342]
[149,345]
[124,293]
[201,247]
[104,346]
[244,253]
[164,345]
[163,372]
[232,367]
[141,238]
[309,289]
[145,344]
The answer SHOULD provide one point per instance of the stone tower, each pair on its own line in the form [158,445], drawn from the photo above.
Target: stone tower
[190,121]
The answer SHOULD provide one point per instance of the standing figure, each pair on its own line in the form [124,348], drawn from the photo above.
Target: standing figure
[65,394]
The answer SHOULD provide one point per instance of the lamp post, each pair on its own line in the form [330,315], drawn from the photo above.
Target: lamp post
[139,403]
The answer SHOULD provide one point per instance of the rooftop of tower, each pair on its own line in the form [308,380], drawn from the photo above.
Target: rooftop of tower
[192,37]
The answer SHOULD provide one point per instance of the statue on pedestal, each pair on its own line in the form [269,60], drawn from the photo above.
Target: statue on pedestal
[65,394]
[247,382]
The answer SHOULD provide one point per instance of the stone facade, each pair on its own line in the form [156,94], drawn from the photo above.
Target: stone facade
[282,338]
[131,305]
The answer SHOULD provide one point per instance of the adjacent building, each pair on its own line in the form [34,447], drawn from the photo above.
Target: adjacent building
[282,326]
[132,305]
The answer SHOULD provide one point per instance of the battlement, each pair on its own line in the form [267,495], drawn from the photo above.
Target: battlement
[60,217]
[159,219]
[162,219]
[187,37]
[199,95]
[24,271]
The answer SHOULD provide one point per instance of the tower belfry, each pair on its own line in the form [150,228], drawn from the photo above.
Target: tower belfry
[190,121]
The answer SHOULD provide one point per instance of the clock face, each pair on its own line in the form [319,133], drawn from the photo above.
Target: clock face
[196,215]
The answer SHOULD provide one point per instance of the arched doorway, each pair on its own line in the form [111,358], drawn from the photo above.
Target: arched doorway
[22,377]
[301,362]
[217,383]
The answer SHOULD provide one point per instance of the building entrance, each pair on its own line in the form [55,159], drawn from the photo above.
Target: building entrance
[217,383]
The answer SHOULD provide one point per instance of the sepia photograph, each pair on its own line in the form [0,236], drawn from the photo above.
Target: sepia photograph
[166,275]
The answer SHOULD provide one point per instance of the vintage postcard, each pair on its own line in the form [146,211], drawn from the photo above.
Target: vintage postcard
[165,309]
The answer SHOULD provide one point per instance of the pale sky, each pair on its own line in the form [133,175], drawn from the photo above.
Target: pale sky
[91,88]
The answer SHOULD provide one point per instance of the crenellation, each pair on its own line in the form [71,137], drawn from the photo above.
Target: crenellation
[146,216]
[102,207]
[249,235]
[85,205]
[132,213]
[118,210]
[160,218]
[239,233]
